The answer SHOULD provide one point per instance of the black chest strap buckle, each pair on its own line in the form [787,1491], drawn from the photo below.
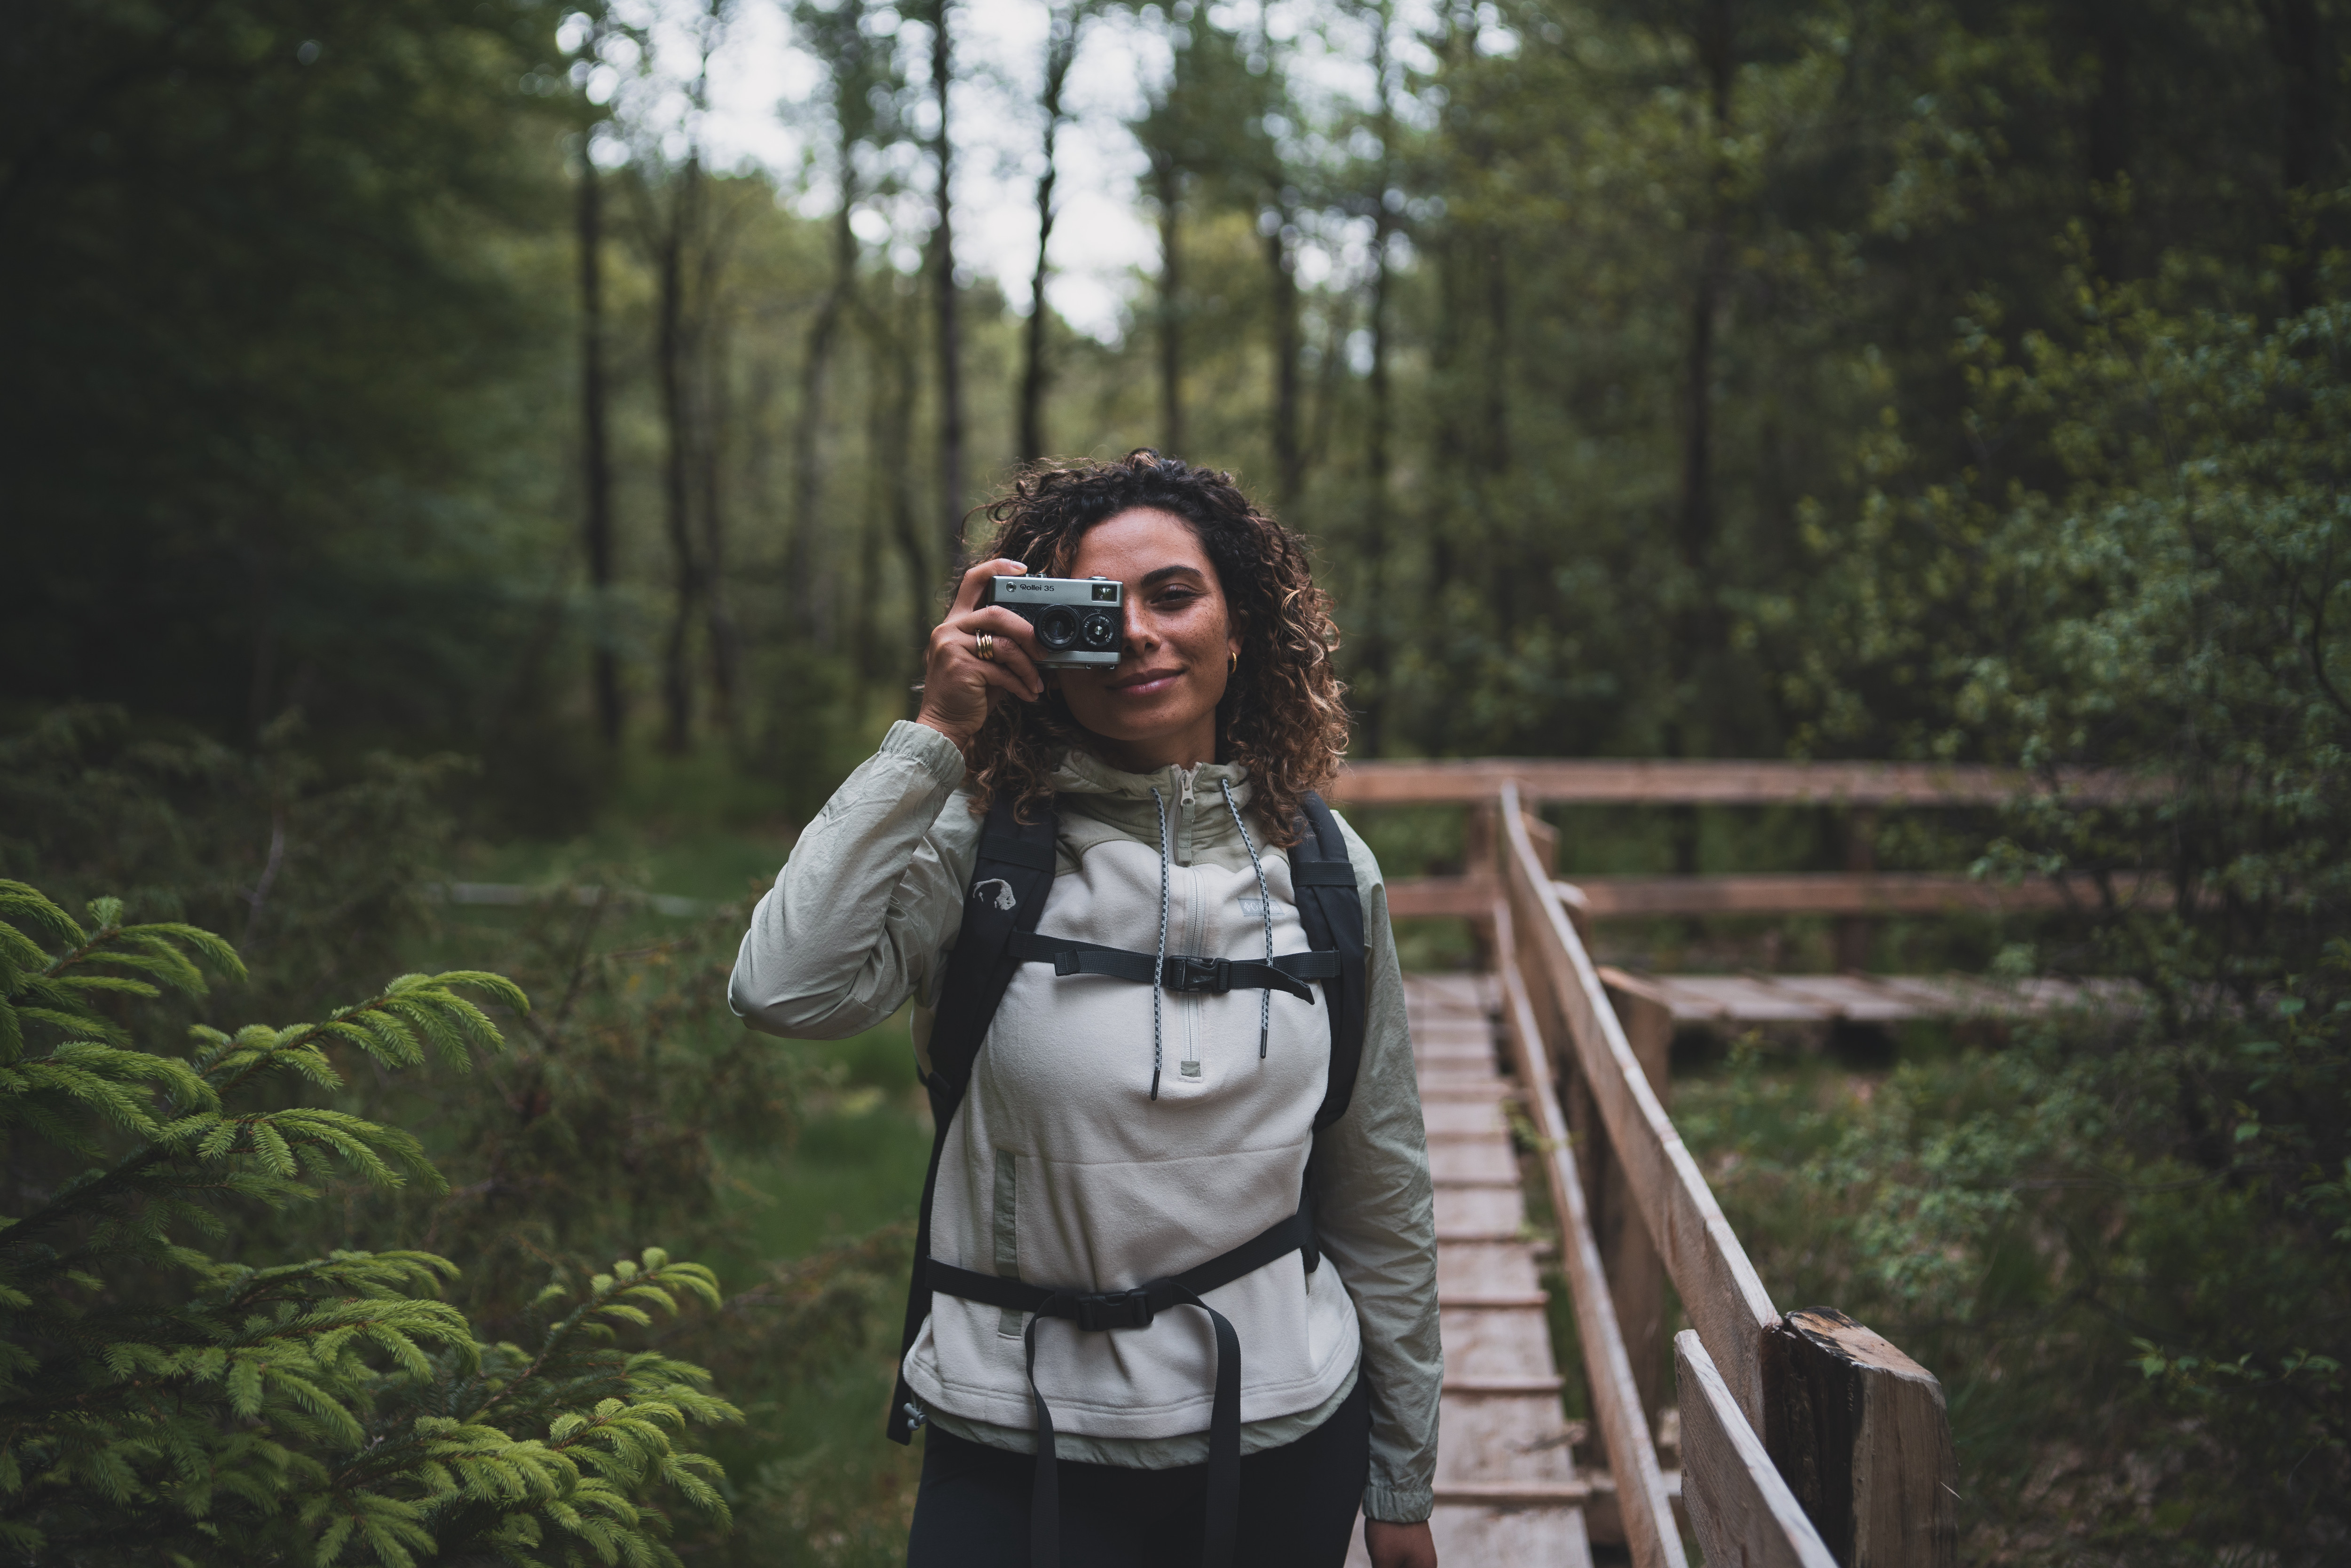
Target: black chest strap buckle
[1114,1310]
[1188,972]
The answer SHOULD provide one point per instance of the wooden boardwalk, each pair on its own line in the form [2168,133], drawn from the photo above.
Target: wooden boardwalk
[1860,1453]
[1507,1492]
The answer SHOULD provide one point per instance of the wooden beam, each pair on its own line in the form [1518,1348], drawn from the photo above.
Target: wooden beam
[1843,893]
[1514,1494]
[1878,998]
[1648,781]
[1437,897]
[1719,1289]
[1855,893]
[1740,1509]
[1646,1507]
[1499,1387]
[1637,1275]
[1861,1434]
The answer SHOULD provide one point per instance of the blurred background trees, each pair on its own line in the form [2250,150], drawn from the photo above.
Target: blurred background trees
[430,452]
[1580,336]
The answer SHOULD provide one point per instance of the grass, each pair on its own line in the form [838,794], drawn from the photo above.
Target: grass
[857,1166]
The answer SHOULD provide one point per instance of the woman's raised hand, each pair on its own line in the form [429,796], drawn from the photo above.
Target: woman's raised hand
[956,682]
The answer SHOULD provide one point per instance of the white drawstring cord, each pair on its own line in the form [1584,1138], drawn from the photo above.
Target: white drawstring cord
[1159,969]
[1264,908]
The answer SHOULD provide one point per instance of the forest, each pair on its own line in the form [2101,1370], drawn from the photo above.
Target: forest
[439,456]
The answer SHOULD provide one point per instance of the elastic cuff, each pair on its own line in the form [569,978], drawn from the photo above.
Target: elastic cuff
[1398,1505]
[922,745]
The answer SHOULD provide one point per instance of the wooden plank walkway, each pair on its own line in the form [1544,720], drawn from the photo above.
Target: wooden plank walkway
[1507,1493]
[1873,998]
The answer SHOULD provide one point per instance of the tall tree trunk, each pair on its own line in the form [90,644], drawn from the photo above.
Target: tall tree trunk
[2111,134]
[1061,49]
[596,447]
[897,456]
[812,610]
[1383,413]
[1496,377]
[2293,31]
[714,408]
[950,327]
[1446,378]
[1167,183]
[1692,631]
[671,353]
[1289,464]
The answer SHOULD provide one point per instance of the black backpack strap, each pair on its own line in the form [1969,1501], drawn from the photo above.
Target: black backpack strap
[1332,910]
[1136,1308]
[1009,880]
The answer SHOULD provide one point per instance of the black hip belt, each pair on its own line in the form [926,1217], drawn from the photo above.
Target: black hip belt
[1181,972]
[1106,1311]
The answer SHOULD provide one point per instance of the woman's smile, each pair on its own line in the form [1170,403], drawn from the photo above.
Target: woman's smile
[1146,683]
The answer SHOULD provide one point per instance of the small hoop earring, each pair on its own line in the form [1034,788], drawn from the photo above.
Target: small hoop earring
[1234,668]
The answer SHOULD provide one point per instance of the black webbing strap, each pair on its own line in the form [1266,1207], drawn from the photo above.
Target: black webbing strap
[1103,1311]
[1332,911]
[1182,972]
[1010,877]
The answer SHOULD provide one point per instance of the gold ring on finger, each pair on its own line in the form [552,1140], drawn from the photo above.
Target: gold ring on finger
[985,646]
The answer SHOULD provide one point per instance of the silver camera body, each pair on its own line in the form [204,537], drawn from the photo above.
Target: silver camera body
[1081,621]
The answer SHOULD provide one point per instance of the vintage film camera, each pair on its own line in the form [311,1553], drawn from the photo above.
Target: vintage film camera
[1080,621]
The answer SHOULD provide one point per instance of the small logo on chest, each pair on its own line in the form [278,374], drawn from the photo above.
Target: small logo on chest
[1002,897]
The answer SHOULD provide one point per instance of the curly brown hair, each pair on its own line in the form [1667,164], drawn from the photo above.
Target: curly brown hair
[1282,717]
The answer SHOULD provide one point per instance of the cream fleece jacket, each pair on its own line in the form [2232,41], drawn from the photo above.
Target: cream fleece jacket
[1060,1168]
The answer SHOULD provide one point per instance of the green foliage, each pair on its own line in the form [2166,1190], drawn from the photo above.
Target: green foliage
[2122,1242]
[289,339]
[158,1400]
[321,867]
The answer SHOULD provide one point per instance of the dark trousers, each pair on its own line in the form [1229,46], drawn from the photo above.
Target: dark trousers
[1298,1504]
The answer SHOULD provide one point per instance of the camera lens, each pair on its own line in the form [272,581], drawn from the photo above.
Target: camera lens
[1057,628]
[1100,630]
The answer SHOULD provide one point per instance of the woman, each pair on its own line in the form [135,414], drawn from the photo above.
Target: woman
[1113,1134]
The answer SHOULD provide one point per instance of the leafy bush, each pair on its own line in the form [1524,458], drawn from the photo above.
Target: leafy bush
[158,1400]
[2124,1242]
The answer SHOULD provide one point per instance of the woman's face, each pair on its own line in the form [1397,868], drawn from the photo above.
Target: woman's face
[1158,707]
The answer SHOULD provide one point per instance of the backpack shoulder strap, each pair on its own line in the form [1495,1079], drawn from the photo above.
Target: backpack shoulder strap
[1332,910]
[1009,880]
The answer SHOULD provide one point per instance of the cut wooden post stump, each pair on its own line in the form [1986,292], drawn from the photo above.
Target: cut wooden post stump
[1860,1431]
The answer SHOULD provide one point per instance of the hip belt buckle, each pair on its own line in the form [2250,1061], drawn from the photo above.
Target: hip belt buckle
[1114,1310]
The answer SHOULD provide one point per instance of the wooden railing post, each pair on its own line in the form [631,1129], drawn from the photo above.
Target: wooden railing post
[1860,855]
[1478,838]
[1860,1431]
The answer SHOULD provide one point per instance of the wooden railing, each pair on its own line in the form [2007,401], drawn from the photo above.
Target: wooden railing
[1768,1404]
[1805,1439]
[1655,781]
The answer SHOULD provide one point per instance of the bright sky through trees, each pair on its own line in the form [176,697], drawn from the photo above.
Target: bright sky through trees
[761,85]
